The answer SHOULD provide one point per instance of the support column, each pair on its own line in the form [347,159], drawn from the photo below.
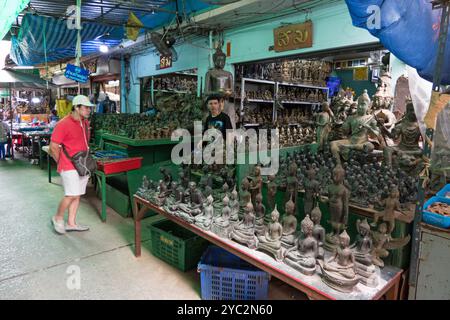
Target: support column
[123,94]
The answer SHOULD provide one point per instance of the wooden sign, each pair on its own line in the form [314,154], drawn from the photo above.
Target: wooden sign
[293,36]
[361,74]
[165,61]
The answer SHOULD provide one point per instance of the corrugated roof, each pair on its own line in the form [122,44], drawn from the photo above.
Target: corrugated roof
[101,11]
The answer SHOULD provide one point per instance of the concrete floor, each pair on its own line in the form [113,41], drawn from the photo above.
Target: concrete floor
[36,263]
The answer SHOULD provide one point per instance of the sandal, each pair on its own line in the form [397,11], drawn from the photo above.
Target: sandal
[78,227]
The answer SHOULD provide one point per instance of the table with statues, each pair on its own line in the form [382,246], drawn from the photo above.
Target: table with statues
[330,221]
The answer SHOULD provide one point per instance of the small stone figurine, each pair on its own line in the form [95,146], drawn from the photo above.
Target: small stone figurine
[163,193]
[204,219]
[303,255]
[339,271]
[221,224]
[271,194]
[338,205]
[167,176]
[271,241]
[292,184]
[245,196]
[390,204]
[244,231]
[363,255]
[312,191]
[289,226]
[195,198]
[235,207]
[318,231]
[260,212]
[256,184]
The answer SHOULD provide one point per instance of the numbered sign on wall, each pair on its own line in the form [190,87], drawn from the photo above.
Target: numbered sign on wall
[165,61]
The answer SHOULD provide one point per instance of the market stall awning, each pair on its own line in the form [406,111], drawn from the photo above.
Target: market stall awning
[9,10]
[39,36]
[19,80]
[409,29]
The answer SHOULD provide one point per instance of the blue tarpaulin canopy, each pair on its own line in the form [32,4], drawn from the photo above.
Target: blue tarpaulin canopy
[28,48]
[407,28]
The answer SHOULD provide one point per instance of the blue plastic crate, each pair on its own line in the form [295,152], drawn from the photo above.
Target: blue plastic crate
[444,191]
[113,154]
[225,276]
[434,218]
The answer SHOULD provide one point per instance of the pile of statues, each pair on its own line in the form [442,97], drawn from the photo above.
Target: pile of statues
[312,72]
[266,95]
[369,181]
[262,115]
[299,94]
[177,111]
[294,116]
[176,83]
[245,219]
[290,136]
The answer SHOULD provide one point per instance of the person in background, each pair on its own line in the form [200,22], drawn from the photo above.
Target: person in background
[73,133]
[217,119]
[100,105]
[3,137]
[54,116]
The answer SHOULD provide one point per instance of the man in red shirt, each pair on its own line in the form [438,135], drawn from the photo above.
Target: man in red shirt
[73,133]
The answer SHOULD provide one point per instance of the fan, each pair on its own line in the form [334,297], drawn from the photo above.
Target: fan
[163,43]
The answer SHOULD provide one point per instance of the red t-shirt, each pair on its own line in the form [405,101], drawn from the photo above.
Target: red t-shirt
[70,133]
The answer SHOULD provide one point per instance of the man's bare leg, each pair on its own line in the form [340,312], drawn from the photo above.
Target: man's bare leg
[63,206]
[73,208]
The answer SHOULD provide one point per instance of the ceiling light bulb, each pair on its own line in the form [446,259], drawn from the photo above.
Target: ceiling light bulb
[104,48]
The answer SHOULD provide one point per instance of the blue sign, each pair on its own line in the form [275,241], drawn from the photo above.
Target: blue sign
[76,73]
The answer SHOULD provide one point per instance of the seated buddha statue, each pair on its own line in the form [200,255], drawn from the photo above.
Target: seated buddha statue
[271,241]
[205,219]
[339,271]
[289,225]
[260,211]
[363,255]
[303,255]
[221,224]
[244,231]
[318,231]
[235,206]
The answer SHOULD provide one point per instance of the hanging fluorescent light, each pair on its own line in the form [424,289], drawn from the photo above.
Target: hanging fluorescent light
[104,48]
[23,67]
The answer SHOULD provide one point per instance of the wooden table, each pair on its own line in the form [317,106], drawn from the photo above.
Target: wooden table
[312,286]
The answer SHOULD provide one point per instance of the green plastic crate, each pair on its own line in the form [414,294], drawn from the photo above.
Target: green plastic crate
[176,245]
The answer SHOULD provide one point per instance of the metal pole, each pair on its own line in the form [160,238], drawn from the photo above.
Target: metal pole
[12,117]
[123,103]
[443,33]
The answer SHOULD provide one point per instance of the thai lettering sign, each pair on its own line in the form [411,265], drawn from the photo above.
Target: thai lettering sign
[76,73]
[293,36]
[165,61]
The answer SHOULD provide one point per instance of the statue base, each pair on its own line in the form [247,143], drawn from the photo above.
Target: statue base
[221,231]
[304,270]
[368,274]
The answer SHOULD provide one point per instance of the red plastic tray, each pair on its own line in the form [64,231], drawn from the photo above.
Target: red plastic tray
[119,165]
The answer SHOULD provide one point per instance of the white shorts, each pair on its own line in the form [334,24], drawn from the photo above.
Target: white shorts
[73,184]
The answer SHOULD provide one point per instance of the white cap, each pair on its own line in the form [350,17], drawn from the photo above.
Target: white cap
[81,100]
